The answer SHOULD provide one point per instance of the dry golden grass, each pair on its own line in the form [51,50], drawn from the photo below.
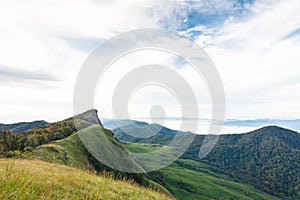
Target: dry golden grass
[32,179]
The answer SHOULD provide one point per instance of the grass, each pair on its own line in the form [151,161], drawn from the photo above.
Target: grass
[31,179]
[103,146]
[188,179]
[185,179]
[141,148]
[68,151]
[152,157]
[71,152]
[198,182]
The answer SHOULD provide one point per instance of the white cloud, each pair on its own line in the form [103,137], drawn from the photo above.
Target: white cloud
[149,96]
[34,37]
[260,68]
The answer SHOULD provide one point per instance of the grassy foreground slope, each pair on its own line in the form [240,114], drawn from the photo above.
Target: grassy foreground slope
[24,179]
[189,179]
[70,151]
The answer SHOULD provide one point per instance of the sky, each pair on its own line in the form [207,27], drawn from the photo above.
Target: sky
[254,44]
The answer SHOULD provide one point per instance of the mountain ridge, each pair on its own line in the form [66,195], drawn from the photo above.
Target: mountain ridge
[23,126]
[266,158]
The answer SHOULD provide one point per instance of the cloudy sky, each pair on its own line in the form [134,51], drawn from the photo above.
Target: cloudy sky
[254,44]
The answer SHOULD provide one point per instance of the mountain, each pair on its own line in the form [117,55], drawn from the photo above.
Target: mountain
[142,132]
[60,143]
[87,118]
[267,158]
[113,124]
[23,126]
[290,124]
[32,179]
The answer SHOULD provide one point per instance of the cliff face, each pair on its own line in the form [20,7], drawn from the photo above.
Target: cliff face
[86,119]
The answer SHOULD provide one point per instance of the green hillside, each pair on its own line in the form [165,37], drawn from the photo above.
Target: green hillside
[24,179]
[70,151]
[188,179]
[60,143]
[267,158]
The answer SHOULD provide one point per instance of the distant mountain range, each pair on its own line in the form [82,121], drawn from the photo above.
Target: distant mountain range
[230,125]
[23,126]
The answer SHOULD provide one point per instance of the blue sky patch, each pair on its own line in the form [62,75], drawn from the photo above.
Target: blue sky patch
[293,34]
[211,14]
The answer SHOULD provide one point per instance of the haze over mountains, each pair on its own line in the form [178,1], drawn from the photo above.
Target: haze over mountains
[234,126]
